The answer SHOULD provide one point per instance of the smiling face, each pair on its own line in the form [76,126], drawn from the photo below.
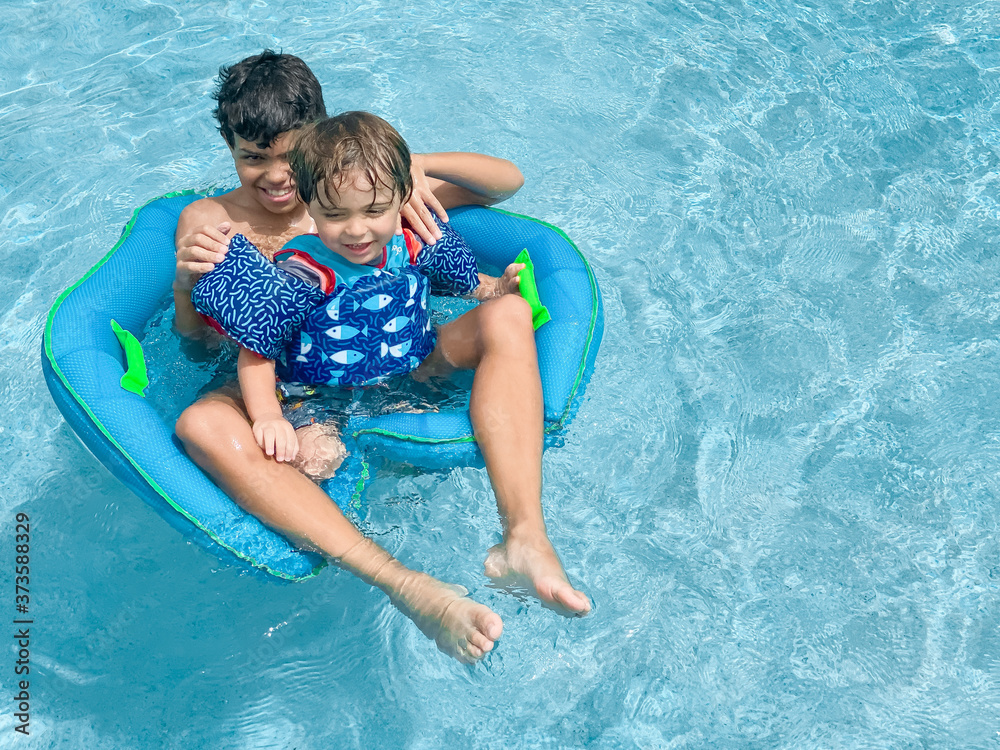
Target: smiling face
[265,175]
[355,221]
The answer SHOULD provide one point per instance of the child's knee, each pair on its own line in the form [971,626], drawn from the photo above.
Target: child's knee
[506,318]
[203,424]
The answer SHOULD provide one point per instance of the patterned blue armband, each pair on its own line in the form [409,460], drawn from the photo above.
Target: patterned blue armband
[252,301]
[449,263]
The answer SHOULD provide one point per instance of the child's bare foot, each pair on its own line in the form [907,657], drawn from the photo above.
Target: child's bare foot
[458,625]
[535,566]
[321,451]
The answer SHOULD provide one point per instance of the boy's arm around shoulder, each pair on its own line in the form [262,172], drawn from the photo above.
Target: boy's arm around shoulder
[442,181]
[200,242]
[460,179]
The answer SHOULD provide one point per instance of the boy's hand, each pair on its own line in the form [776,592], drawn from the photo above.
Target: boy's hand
[491,286]
[276,437]
[422,202]
[198,252]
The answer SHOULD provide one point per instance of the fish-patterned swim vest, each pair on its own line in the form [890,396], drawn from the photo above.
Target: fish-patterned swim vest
[326,320]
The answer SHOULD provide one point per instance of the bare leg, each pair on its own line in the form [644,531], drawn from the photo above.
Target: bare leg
[217,435]
[497,340]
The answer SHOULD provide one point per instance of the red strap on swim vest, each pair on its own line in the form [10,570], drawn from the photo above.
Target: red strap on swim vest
[413,245]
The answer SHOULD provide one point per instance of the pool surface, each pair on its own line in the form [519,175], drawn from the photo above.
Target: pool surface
[781,491]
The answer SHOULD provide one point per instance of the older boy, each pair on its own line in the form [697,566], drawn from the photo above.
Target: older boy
[262,100]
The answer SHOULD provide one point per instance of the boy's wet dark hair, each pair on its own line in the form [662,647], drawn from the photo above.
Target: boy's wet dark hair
[325,151]
[264,96]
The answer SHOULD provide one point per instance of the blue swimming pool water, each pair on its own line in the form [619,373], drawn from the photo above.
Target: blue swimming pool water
[781,491]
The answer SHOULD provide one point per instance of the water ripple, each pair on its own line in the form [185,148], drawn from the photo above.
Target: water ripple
[780,488]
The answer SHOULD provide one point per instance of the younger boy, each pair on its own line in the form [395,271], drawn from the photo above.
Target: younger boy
[336,162]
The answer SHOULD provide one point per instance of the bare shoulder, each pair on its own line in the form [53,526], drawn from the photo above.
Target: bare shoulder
[210,211]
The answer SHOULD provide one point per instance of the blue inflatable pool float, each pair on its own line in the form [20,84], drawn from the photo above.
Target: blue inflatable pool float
[94,372]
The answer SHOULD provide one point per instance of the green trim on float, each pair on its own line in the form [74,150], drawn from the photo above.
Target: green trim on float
[558,424]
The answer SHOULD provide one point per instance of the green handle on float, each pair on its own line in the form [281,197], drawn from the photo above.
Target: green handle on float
[529,290]
[135,378]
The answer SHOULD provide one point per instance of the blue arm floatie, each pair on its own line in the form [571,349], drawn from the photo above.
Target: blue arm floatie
[449,263]
[253,301]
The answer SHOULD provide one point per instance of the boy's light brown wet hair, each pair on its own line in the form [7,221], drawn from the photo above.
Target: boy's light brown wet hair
[328,150]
